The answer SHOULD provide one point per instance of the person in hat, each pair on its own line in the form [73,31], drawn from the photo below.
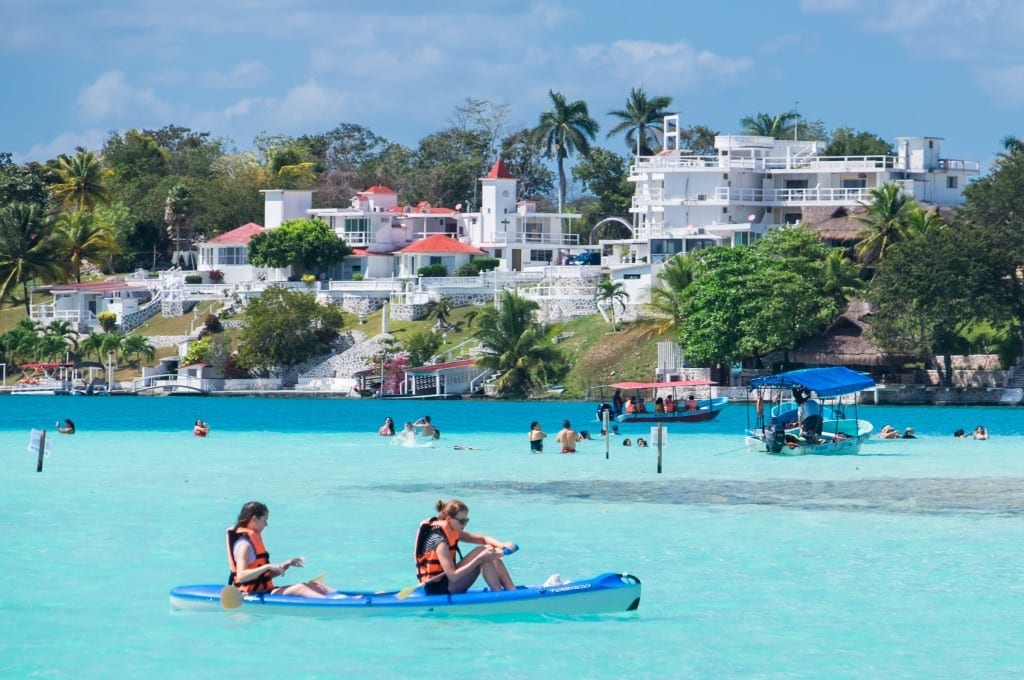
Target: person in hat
[909,433]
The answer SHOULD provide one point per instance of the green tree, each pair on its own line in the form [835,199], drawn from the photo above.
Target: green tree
[698,139]
[441,310]
[421,346]
[666,295]
[841,278]
[81,181]
[563,130]
[846,141]
[92,345]
[138,346]
[611,293]
[26,251]
[63,330]
[779,126]
[310,244]
[20,345]
[604,174]
[885,222]
[285,327]
[28,183]
[929,292]
[179,213]
[523,157]
[517,347]
[79,236]
[641,120]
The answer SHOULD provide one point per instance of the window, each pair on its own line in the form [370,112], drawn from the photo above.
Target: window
[534,232]
[791,218]
[854,183]
[357,229]
[232,256]
[951,182]
[744,238]
[540,256]
[666,246]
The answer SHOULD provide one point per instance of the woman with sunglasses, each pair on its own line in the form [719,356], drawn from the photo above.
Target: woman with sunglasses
[437,544]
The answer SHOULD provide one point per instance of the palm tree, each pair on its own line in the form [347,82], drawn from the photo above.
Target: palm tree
[779,126]
[112,344]
[885,220]
[92,345]
[81,181]
[178,212]
[923,223]
[26,251]
[516,345]
[21,343]
[63,330]
[440,309]
[78,236]
[611,292]
[840,278]
[641,121]
[666,296]
[137,346]
[564,130]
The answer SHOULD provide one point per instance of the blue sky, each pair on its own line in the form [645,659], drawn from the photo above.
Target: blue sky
[74,71]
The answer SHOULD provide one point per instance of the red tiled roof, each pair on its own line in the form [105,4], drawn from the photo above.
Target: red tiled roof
[238,236]
[499,171]
[439,243]
[378,189]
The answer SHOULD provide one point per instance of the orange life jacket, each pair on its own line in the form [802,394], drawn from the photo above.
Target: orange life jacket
[262,583]
[428,565]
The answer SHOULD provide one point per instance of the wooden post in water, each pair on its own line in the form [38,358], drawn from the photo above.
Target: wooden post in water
[42,449]
[607,434]
[659,446]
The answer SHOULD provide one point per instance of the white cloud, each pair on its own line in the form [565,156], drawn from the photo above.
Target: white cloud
[1004,86]
[677,64]
[111,96]
[64,143]
[829,6]
[242,75]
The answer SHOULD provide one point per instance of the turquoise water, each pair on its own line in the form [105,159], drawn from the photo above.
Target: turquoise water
[900,562]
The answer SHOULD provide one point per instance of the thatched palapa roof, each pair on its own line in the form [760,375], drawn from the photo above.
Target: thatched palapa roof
[845,343]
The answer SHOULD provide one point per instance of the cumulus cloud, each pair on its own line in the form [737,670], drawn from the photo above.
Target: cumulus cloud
[111,96]
[65,142]
[1005,86]
[676,63]
[244,74]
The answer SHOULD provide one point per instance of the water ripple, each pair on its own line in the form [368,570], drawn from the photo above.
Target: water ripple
[927,496]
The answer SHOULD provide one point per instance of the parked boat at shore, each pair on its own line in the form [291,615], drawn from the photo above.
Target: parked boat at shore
[829,432]
[649,402]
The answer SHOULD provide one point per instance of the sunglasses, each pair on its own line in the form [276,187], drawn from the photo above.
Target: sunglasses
[461,520]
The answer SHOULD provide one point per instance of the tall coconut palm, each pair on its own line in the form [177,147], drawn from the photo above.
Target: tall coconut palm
[79,236]
[611,293]
[641,121]
[565,129]
[178,213]
[440,309]
[92,345]
[81,185]
[885,221]
[26,251]
[138,346]
[64,330]
[923,223]
[779,126]
[516,345]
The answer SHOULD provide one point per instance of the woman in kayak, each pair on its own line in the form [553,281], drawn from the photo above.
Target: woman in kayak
[251,569]
[437,544]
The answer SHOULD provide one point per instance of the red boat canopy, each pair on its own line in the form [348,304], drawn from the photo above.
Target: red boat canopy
[654,385]
[44,367]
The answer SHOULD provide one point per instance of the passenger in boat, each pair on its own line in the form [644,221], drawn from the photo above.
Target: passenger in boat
[567,437]
[980,432]
[426,427]
[691,403]
[200,429]
[670,404]
[617,403]
[388,428]
[630,406]
[659,405]
[641,406]
[437,544]
[536,437]
[808,414]
[251,569]
[68,428]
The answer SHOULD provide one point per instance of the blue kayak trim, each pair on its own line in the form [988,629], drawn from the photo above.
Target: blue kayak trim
[605,593]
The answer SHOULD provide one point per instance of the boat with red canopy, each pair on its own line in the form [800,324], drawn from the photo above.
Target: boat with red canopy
[677,401]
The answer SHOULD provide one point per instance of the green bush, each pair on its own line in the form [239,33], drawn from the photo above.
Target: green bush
[357,277]
[480,264]
[193,278]
[433,270]
[108,321]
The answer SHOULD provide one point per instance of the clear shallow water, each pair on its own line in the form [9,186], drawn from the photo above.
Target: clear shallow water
[900,562]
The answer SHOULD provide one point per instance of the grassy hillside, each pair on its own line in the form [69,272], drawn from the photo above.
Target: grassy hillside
[596,354]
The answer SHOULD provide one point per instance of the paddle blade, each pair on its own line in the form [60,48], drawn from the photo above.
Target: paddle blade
[406,592]
[231,597]
[319,578]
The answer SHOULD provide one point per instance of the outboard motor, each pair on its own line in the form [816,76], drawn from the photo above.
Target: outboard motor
[600,412]
[777,438]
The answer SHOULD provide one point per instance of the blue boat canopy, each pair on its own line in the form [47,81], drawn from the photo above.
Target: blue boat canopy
[826,382]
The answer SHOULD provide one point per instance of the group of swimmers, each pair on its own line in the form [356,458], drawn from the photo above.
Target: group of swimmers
[979,433]
[440,566]
[890,432]
[408,433]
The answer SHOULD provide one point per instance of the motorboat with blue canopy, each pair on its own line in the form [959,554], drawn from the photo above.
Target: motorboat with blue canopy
[826,428]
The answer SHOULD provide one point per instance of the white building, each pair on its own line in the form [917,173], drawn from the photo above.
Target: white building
[684,202]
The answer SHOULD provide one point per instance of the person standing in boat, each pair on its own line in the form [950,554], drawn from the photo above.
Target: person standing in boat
[437,545]
[251,569]
[617,404]
[808,414]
